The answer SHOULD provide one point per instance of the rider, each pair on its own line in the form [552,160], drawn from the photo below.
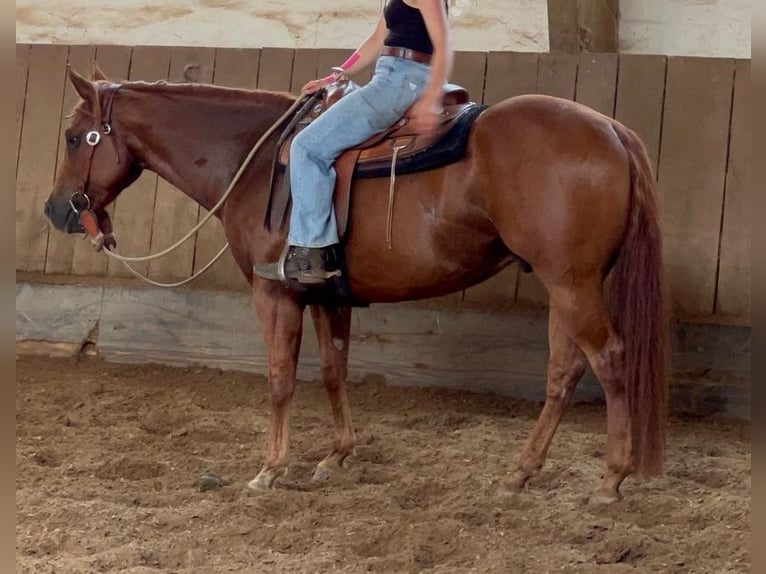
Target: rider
[414,58]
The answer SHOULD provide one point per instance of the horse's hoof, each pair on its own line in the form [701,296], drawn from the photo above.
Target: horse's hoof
[264,481]
[518,481]
[321,473]
[604,497]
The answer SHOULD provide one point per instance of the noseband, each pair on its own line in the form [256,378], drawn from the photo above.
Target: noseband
[79,201]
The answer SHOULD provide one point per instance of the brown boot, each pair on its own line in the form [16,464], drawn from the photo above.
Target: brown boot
[305,265]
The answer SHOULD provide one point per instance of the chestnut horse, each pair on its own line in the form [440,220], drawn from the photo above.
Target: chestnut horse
[544,180]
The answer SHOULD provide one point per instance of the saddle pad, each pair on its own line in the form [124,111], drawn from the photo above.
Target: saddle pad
[450,148]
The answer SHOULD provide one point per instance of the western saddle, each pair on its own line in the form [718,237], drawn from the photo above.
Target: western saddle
[376,157]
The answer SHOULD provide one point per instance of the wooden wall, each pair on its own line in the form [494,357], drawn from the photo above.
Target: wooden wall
[692,113]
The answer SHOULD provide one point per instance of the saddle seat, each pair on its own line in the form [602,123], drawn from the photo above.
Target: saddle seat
[380,147]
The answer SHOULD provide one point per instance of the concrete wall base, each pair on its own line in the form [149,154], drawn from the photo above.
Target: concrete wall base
[406,345]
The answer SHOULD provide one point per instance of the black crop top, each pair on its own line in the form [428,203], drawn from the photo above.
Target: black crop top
[406,27]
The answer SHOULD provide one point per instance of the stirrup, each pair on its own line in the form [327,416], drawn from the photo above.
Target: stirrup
[275,271]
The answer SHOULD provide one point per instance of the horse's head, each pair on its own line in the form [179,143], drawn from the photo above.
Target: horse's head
[97,165]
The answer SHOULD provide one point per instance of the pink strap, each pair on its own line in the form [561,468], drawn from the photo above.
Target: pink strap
[352,59]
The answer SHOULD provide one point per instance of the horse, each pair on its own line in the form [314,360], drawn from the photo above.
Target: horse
[543,181]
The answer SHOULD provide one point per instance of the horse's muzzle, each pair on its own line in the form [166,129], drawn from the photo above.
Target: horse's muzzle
[63,217]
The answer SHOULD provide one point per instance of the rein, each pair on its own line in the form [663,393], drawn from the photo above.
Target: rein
[88,218]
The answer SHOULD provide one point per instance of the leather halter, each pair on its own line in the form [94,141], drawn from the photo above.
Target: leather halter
[103,126]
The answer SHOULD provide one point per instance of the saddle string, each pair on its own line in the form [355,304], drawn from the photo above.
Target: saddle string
[391,188]
[126,259]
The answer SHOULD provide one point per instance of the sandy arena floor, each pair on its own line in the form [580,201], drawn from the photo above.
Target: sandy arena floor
[107,457]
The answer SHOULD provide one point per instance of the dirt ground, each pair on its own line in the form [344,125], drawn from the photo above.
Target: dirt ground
[107,458]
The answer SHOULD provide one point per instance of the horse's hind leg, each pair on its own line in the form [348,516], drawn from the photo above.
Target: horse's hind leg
[585,318]
[282,323]
[333,327]
[565,368]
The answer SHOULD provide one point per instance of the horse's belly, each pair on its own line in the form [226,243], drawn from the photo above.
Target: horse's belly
[420,262]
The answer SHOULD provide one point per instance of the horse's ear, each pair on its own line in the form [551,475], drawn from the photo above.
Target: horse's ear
[85,88]
[98,75]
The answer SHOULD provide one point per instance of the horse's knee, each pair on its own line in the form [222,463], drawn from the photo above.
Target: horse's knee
[333,375]
[281,390]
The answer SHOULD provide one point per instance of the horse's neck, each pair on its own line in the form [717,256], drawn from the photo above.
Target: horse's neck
[197,139]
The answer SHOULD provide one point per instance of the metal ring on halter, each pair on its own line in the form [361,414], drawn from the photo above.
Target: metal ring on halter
[74,207]
[106,129]
[92,138]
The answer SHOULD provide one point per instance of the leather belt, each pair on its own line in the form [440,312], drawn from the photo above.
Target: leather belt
[406,53]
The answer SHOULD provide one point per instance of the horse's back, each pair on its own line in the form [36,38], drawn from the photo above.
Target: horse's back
[551,114]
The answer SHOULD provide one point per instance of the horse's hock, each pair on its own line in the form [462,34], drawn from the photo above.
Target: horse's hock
[487,337]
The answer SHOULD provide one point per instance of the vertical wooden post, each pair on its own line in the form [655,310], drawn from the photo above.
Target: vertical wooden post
[583,25]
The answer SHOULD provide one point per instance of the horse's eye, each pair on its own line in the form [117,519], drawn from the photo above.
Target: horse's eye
[72,141]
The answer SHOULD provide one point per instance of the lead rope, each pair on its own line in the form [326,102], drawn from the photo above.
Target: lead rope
[216,207]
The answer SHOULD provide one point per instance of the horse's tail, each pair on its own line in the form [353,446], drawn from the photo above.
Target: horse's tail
[638,309]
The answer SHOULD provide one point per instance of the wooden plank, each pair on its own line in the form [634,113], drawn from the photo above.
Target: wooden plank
[734,278]
[305,69]
[557,76]
[508,74]
[175,213]
[37,152]
[641,98]
[275,69]
[61,248]
[114,61]
[237,68]
[597,81]
[22,69]
[133,211]
[234,68]
[468,71]
[691,177]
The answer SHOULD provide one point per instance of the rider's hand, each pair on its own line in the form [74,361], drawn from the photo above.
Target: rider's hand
[425,114]
[316,85]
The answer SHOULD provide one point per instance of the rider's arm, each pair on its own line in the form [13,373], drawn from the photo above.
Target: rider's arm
[366,53]
[435,18]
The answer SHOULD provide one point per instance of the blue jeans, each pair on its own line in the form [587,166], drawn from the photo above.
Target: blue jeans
[373,108]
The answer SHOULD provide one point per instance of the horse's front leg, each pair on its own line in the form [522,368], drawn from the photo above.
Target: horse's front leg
[333,327]
[282,323]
